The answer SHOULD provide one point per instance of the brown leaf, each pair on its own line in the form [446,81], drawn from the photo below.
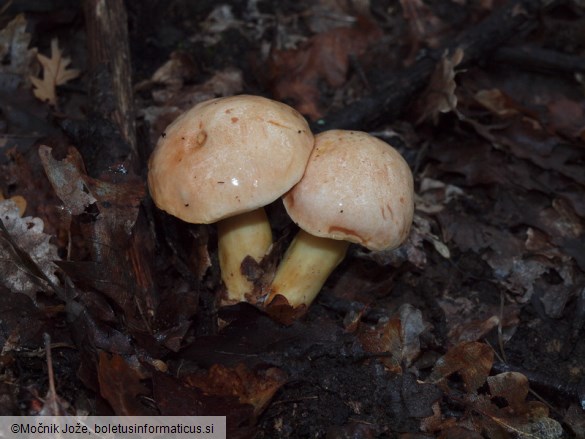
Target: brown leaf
[174,398]
[439,96]
[531,422]
[254,388]
[472,360]
[55,72]
[179,68]
[497,102]
[384,338]
[120,385]
[295,74]
[398,337]
[567,117]
[173,99]
[512,386]
[424,26]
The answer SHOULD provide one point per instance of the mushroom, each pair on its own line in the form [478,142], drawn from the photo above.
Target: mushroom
[222,161]
[356,189]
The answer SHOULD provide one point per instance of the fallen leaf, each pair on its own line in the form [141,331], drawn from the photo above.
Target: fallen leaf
[497,102]
[384,338]
[567,117]
[120,385]
[472,360]
[18,274]
[172,99]
[179,68]
[439,97]
[575,418]
[174,398]
[398,338]
[424,26]
[254,388]
[14,42]
[466,322]
[512,386]
[295,74]
[55,72]
[68,179]
[531,422]
[22,322]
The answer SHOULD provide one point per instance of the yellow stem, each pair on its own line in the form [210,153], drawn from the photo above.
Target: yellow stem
[306,265]
[239,236]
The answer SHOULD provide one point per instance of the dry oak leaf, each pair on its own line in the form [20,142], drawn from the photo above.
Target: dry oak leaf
[55,72]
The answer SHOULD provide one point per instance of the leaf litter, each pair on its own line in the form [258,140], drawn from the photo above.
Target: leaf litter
[405,342]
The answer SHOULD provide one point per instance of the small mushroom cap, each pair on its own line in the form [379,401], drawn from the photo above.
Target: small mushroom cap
[355,188]
[227,156]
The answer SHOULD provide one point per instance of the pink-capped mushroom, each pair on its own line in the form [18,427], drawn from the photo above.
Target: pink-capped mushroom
[222,161]
[356,189]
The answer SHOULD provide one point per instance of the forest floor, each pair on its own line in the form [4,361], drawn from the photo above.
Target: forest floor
[473,328]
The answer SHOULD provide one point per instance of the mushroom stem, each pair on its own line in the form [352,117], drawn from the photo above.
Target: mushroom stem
[247,234]
[305,267]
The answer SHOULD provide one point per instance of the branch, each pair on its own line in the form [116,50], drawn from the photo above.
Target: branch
[111,72]
[478,43]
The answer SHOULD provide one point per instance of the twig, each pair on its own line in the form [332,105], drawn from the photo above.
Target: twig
[542,60]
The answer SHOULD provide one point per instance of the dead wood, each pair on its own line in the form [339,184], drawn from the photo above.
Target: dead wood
[540,60]
[478,43]
[110,68]
[112,100]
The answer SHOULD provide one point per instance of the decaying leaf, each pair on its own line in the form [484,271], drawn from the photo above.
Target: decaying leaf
[55,72]
[501,410]
[398,338]
[512,386]
[439,97]
[19,200]
[472,360]
[174,398]
[424,26]
[433,195]
[113,209]
[295,74]
[383,338]
[497,102]
[14,41]
[179,68]
[254,388]
[69,180]
[531,422]
[120,384]
[28,234]
[468,322]
[172,100]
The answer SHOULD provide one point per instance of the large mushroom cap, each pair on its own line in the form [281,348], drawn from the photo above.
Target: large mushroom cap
[355,188]
[228,156]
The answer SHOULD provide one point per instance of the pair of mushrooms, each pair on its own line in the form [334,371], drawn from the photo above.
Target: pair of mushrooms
[226,158]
